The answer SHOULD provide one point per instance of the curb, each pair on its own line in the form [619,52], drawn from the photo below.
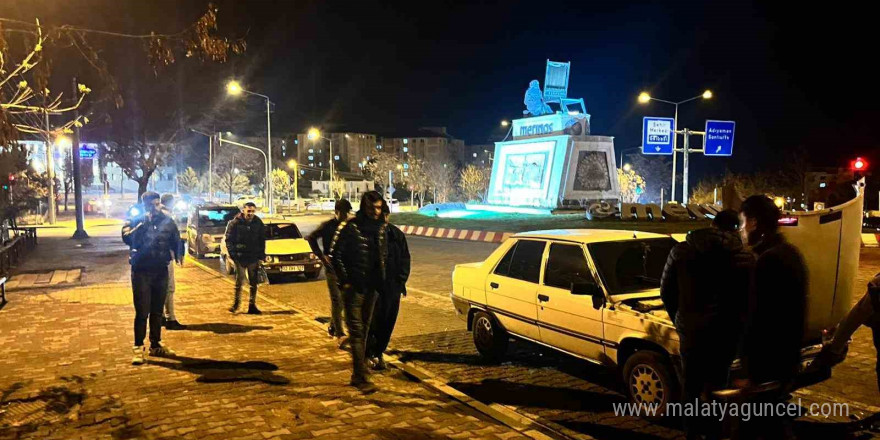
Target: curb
[868,240]
[524,424]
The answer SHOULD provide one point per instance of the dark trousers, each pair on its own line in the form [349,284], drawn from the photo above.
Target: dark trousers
[149,290]
[359,304]
[705,361]
[382,325]
[336,304]
[249,271]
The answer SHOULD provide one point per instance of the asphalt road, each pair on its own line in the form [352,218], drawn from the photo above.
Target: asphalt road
[542,383]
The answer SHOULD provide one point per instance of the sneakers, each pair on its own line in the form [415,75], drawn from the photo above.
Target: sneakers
[161,351]
[253,310]
[140,353]
[365,386]
[174,325]
[378,363]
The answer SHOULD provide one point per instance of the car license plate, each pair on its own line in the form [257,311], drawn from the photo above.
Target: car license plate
[293,268]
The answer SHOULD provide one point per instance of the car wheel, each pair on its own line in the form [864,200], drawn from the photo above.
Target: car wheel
[649,380]
[489,338]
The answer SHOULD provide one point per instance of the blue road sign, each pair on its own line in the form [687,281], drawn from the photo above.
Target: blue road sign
[86,152]
[657,135]
[718,140]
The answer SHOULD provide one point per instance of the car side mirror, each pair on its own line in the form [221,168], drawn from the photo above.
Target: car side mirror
[591,289]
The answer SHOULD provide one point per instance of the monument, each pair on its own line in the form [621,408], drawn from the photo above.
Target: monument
[553,161]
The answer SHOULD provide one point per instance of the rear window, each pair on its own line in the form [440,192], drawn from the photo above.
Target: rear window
[282,231]
[631,266]
[216,217]
[523,261]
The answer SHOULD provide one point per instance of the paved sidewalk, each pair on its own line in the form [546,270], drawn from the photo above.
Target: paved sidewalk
[66,373]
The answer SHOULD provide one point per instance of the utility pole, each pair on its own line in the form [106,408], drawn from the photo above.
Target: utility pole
[80,232]
[50,168]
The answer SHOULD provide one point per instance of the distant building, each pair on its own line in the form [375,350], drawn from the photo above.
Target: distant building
[480,154]
[353,188]
[350,150]
[427,144]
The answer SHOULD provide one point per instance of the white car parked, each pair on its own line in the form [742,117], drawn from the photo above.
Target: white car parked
[593,294]
[322,204]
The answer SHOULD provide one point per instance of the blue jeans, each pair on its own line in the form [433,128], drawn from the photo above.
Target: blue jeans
[249,271]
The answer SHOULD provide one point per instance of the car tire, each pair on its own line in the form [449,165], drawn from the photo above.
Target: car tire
[490,338]
[649,379]
[312,275]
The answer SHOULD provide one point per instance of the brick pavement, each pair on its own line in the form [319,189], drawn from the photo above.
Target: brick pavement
[67,374]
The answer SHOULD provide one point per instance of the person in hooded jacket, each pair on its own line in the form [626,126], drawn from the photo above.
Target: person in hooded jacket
[705,286]
[384,318]
[359,253]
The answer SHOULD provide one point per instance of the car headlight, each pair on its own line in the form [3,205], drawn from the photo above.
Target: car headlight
[134,212]
[312,257]
[270,259]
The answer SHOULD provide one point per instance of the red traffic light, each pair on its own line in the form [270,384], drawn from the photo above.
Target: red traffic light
[859,164]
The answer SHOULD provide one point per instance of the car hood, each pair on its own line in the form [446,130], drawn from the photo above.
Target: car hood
[287,246]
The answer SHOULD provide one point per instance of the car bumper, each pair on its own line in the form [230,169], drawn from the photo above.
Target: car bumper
[292,267]
[462,307]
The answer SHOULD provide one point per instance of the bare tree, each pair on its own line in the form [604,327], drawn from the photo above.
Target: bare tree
[474,182]
[189,181]
[380,165]
[441,178]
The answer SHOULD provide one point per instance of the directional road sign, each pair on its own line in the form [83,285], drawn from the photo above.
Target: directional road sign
[657,135]
[86,152]
[718,140]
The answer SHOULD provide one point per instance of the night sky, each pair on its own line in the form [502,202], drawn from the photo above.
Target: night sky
[790,77]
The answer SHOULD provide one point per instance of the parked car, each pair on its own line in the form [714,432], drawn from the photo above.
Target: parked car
[593,294]
[206,227]
[322,204]
[287,252]
[871,222]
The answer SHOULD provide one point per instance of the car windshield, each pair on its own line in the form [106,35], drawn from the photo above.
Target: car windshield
[631,266]
[209,218]
[281,231]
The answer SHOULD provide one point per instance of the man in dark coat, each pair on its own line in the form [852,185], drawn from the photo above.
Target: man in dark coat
[388,305]
[359,255]
[153,240]
[773,333]
[705,289]
[325,233]
[246,241]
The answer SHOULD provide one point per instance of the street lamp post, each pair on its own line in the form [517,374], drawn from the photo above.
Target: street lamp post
[292,164]
[644,98]
[627,149]
[221,141]
[80,232]
[210,163]
[314,134]
[235,89]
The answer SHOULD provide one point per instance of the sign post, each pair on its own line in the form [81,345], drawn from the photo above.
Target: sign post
[718,140]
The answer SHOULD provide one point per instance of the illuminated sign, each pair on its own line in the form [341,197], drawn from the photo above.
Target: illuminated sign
[718,140]
[657,135]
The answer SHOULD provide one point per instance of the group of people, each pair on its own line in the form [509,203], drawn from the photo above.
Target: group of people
[367,262]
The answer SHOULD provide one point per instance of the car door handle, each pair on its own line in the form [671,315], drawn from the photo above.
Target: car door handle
[543,298]
[493,285]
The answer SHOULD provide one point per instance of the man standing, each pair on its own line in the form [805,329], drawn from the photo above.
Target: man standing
[705,288]
[772,338]
[169,318]
[384,317]
[246,241]
[359,253]
[325,232]
[152,238]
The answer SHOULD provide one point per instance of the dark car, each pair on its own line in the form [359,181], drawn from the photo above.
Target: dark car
[206,227]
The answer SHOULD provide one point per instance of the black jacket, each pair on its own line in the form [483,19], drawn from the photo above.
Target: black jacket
[245,240]
[706,281]
[350,254]
[777,312]
[152,240]
[398,265]
[325,233]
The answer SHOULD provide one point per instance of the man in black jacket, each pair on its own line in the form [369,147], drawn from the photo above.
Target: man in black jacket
[388,305]
[325,232]
[359,253]
[246,241]
[773,334]
[153,240]
[705,289]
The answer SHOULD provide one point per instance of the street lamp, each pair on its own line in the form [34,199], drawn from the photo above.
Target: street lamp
[627,167]
[63,142]
[293,165]
[315,134]
[234,88]
[644,98]
[210,162]
[504,123]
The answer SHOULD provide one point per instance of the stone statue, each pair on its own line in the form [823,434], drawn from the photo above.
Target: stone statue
[534,100]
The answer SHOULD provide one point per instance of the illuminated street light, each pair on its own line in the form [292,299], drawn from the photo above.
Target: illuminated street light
[314,133]
[291,164]
[505,123]
[779,202]
[233,88]
[644,97]
[707,94]
[627,168]
[63,142]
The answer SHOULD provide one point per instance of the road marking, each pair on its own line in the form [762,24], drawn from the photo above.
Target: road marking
[425,292]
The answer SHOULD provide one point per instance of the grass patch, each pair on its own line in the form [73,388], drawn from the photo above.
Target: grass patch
[491,221]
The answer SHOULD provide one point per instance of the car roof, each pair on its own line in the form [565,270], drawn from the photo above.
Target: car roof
[589,235]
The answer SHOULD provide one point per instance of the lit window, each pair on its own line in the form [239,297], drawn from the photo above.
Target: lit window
[405,149]
[303,171]
[320,164]
[406,166]
[311,157]
[296,141]
[405,141]
[311,150]
[336,157]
